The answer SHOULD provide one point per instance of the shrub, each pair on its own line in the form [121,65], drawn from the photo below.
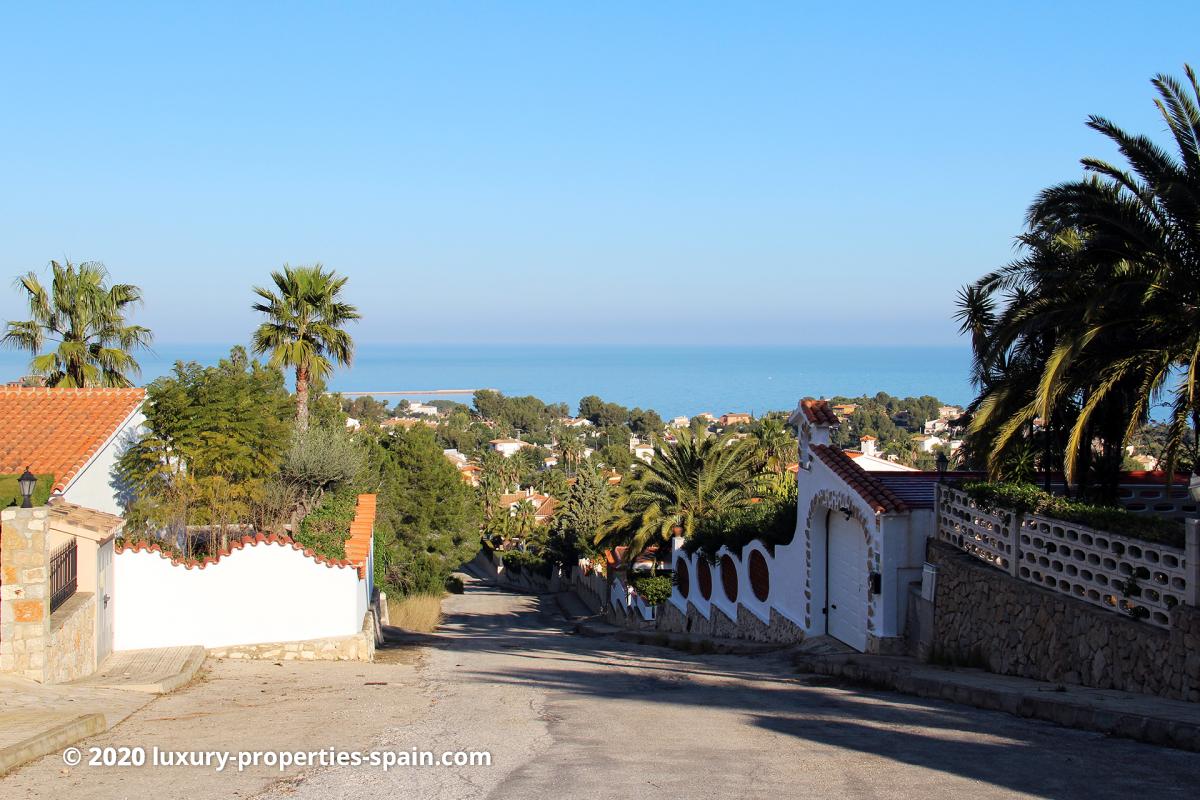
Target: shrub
[418,612]
[654,589]
[454,584]
[773,523]
[525,562]
[1025,497]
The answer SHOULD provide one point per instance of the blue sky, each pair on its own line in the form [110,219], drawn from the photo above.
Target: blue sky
[738,173]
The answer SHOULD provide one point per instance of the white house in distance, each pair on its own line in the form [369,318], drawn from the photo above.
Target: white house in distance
[422,409]
[642,451]
[76,435]
[507,447]
[867,457]
[679,423]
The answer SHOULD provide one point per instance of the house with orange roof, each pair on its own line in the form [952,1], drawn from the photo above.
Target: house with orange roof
[734,419]
[543,505]
[74,435]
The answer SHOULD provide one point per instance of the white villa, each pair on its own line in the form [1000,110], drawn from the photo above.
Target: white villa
[508,447]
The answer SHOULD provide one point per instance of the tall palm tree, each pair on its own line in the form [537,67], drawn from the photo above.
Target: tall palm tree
[775,444]
[85,318]
[304,327]
[686,482]
[1103,314]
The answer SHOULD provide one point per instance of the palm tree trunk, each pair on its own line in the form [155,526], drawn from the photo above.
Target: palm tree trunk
[301,399]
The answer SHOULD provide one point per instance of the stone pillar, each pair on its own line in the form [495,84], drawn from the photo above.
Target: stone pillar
[1191,558]
[24,591]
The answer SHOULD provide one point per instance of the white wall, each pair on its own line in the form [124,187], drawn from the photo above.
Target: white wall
[93,486]
[264,592]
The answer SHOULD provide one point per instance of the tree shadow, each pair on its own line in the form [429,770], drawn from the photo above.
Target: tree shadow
[1001,750]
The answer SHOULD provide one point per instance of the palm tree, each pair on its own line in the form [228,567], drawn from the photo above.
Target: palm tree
[776,445]
[86,318]
[304,327]
[1103,314]
[686,482]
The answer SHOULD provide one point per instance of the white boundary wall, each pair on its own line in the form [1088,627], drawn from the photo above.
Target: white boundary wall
[261,592]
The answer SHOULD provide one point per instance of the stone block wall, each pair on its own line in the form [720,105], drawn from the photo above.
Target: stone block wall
[360,647]
[780,630]
[984,617]
[24,592]
[71,647]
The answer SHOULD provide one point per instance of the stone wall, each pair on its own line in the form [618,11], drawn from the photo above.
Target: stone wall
[984,617]
[71,648]
[669,619]
[24,592]
[359,647]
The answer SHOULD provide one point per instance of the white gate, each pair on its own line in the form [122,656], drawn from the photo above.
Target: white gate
[847,582]
[104,601]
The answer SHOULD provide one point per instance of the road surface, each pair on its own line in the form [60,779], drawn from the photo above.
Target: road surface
[566,716]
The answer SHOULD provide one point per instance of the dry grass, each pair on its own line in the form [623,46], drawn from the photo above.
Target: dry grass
[419,612]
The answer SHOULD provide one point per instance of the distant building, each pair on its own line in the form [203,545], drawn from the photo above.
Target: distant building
[927,444]
[352,424]
[470,474]
[735,419]
[422,409]
[949,412]
[844,409]
[544,505]
[707,417]
[866,445]
[936,426]
[577,422]
[679,423]
[507,447]
[643,452]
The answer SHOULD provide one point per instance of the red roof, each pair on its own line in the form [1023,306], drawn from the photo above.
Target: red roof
[818,412]
[57,431]
[877,495]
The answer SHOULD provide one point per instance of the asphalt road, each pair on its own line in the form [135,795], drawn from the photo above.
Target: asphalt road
[565,716]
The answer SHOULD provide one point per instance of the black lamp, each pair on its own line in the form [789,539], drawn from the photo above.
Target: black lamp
[26,482]
[943,463]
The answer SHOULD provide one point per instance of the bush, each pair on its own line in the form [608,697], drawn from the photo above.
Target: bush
[525,562]
[454,584]
[1025,497]
[654,589]
[773,523]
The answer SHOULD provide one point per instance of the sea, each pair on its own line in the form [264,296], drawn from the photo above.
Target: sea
[672,380]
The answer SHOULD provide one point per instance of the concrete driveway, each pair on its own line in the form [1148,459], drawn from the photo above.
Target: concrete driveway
[567,716]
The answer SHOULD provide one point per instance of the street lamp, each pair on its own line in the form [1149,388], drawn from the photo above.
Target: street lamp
[943,463]
[26,482]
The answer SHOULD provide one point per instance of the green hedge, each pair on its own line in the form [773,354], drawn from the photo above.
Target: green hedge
[1026,497]
[654,589]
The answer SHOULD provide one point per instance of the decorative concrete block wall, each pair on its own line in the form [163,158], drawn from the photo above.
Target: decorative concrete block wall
[985,617]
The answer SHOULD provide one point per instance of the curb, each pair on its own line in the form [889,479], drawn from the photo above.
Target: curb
[1047,705]
[51,740]
[679,641]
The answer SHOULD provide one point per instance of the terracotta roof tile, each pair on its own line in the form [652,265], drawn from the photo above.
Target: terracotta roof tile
[818,411]
[57,431]
[879,496]
[237,544]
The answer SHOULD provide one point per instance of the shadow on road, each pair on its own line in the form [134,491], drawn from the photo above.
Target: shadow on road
[999,749]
